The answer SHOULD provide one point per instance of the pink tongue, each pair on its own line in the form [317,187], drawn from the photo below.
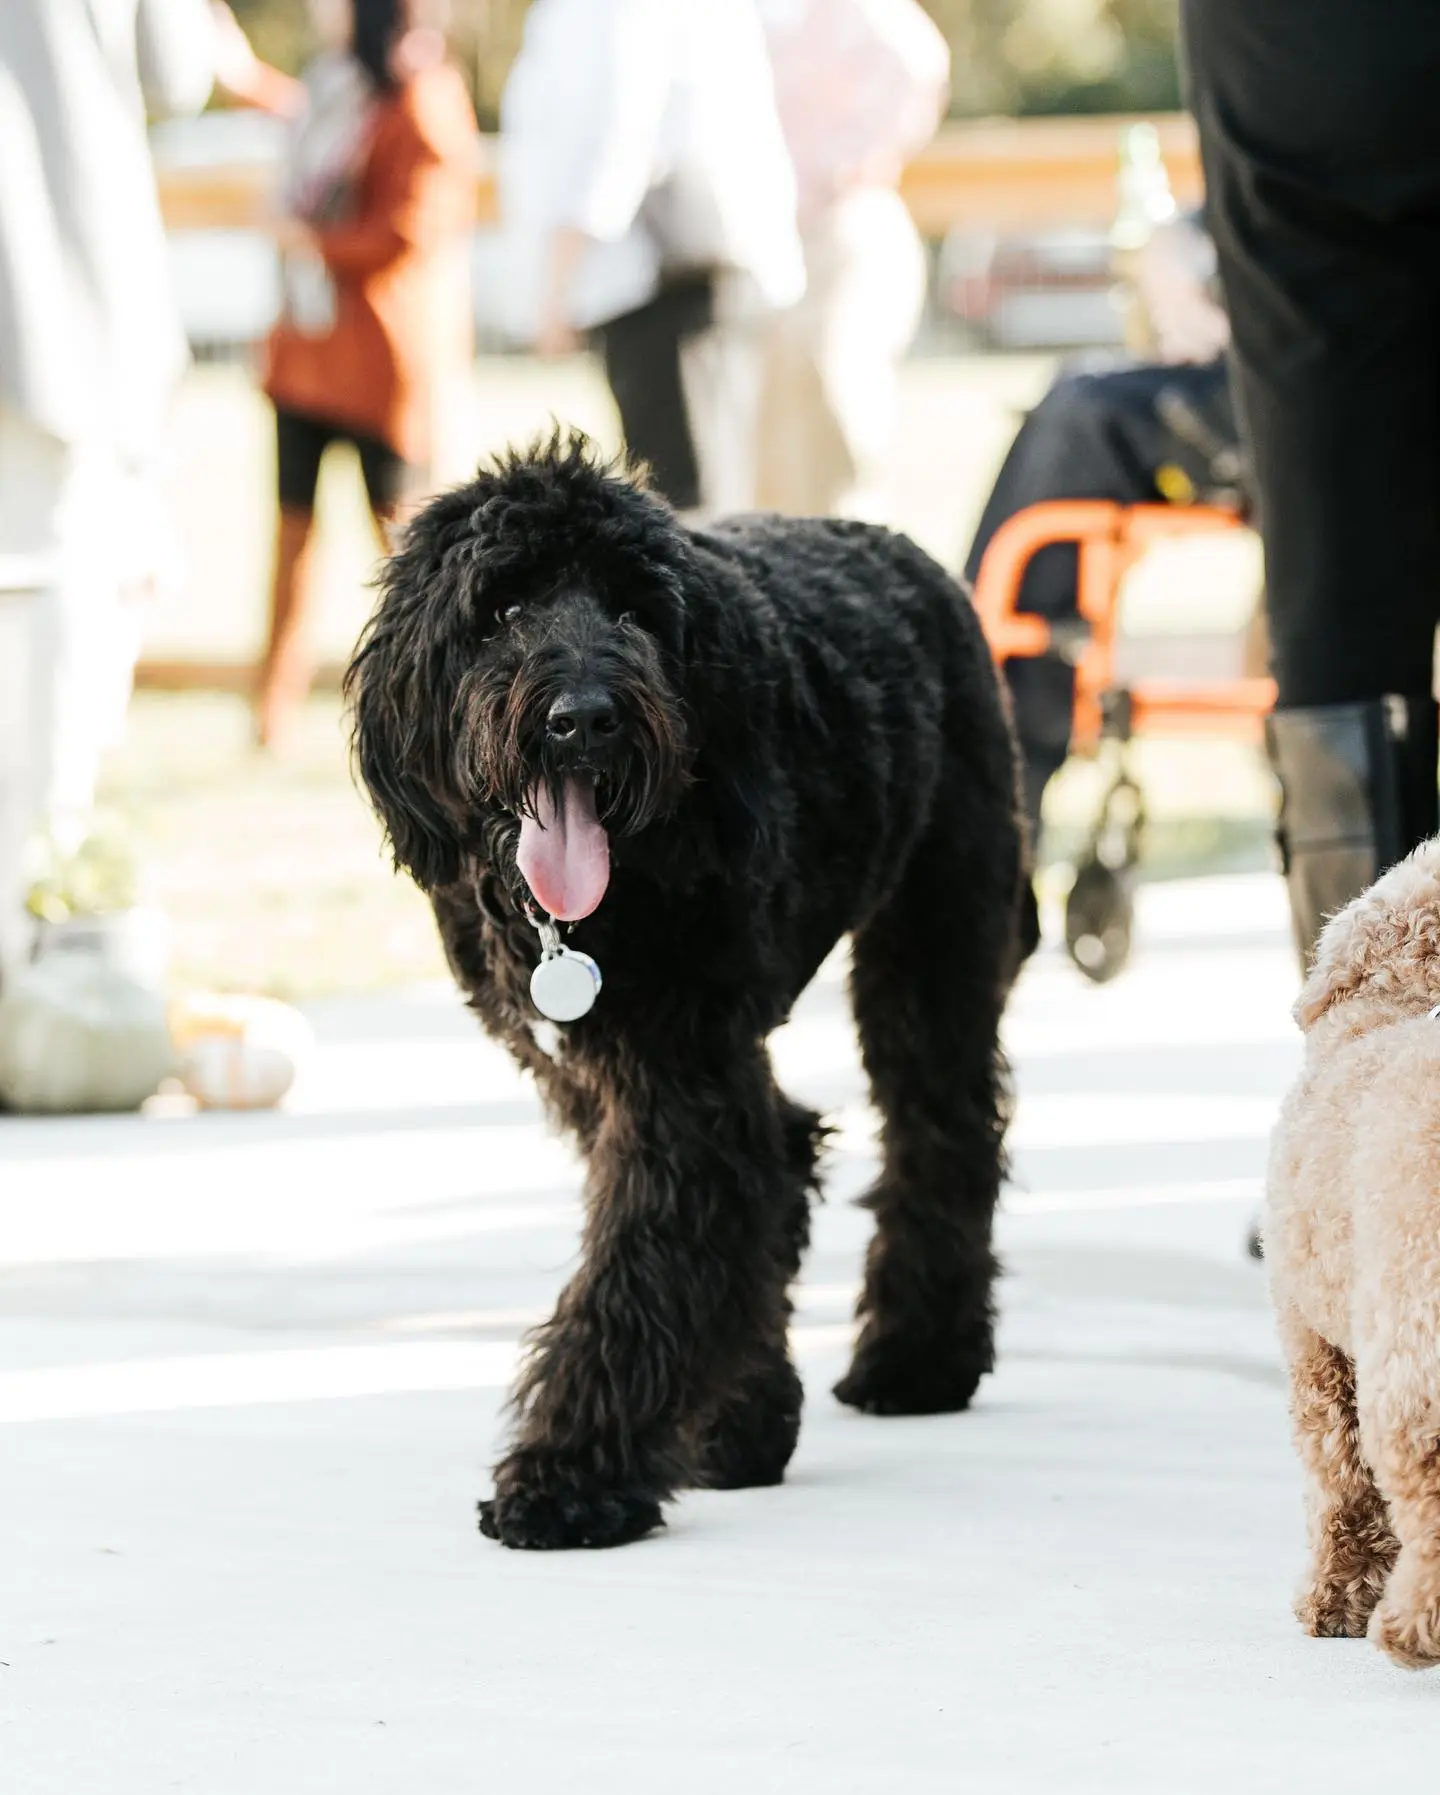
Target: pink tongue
[565,856]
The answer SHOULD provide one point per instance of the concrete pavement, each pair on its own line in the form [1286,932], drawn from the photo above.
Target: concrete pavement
[251,1372]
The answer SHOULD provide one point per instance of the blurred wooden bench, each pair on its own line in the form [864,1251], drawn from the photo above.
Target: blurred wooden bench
[993,174]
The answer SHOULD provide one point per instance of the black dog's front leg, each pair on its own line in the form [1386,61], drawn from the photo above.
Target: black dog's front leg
[682,1252]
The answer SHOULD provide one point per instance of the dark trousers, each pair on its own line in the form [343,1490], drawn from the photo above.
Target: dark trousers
[1320,125]
[300,445]
[1098,435]
[641,354]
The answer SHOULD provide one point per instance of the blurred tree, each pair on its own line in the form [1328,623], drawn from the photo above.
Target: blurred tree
[1010,56]
[486,35]
[1051,56]
[277,29]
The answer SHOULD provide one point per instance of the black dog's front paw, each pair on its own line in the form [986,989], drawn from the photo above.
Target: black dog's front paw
[892,1376]
[556,1512]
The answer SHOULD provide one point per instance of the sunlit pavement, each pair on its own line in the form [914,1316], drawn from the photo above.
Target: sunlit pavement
[251,1372]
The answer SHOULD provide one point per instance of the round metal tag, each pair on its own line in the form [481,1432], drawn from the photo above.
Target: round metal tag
[564,985]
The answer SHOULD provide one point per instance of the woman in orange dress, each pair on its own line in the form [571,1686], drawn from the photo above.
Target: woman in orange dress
[378,194]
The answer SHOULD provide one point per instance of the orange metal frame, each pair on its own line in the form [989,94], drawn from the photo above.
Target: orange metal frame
[1110,539]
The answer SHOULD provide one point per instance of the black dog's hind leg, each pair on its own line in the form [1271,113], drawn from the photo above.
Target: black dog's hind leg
[749,1440]
[674,1297]
[931,973]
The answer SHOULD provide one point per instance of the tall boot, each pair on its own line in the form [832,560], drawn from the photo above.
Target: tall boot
[1358,792]
[285,672]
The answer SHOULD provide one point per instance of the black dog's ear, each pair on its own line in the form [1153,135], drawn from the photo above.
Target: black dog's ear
[402,686]
[420,836]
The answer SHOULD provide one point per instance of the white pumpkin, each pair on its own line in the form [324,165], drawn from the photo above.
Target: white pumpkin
[239,1052]
[78,1035]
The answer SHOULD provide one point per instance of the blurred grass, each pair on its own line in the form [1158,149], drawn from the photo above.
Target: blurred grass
[272,871]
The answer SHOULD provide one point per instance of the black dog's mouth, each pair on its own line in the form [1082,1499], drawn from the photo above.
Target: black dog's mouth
[578,737]
[564,848]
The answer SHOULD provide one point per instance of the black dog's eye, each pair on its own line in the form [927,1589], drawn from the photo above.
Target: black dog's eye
[510,613]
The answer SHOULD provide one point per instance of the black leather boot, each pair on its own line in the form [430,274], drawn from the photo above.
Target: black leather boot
[1357,793]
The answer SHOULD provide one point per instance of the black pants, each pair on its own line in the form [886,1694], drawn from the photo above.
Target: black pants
[1320,125]
[300,445]
[1099,435]
[641,355]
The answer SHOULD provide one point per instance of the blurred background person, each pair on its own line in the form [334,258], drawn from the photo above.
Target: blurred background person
[91,354]
[378,193]
[1133,432]
[649,202]
[1322,165]
[861,86]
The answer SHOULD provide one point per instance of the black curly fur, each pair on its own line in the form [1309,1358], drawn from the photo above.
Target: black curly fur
[812,744]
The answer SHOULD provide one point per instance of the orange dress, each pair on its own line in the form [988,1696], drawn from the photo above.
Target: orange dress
[375,371]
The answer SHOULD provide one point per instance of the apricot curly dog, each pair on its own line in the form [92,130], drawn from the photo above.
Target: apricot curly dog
[1353,1246]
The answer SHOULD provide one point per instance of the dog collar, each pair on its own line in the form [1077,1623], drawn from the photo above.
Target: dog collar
[564,986]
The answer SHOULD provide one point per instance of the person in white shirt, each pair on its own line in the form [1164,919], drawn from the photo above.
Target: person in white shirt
[861,86]
[648,201]
[91,352]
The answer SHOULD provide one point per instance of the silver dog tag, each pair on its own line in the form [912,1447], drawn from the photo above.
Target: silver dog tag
[564,986]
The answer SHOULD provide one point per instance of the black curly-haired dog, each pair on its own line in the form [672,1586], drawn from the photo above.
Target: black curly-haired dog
[715,753]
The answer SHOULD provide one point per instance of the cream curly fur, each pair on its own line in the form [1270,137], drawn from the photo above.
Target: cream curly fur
[1352,1240]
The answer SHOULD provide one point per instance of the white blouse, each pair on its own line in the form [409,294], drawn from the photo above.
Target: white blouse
[650,126]
[91,345]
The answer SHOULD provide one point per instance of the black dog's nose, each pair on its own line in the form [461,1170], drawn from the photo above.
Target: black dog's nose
[583,719]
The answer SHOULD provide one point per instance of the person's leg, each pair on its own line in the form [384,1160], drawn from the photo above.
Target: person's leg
[804,465]
[83,541]
[33,473]
[392,485]
[285,672]
[722,372]
[1323,174]
[89,629]
[801,461]
[871,265]
[640,352]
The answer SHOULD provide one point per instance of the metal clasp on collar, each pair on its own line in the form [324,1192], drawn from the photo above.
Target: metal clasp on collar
[564,986]
[546,928]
